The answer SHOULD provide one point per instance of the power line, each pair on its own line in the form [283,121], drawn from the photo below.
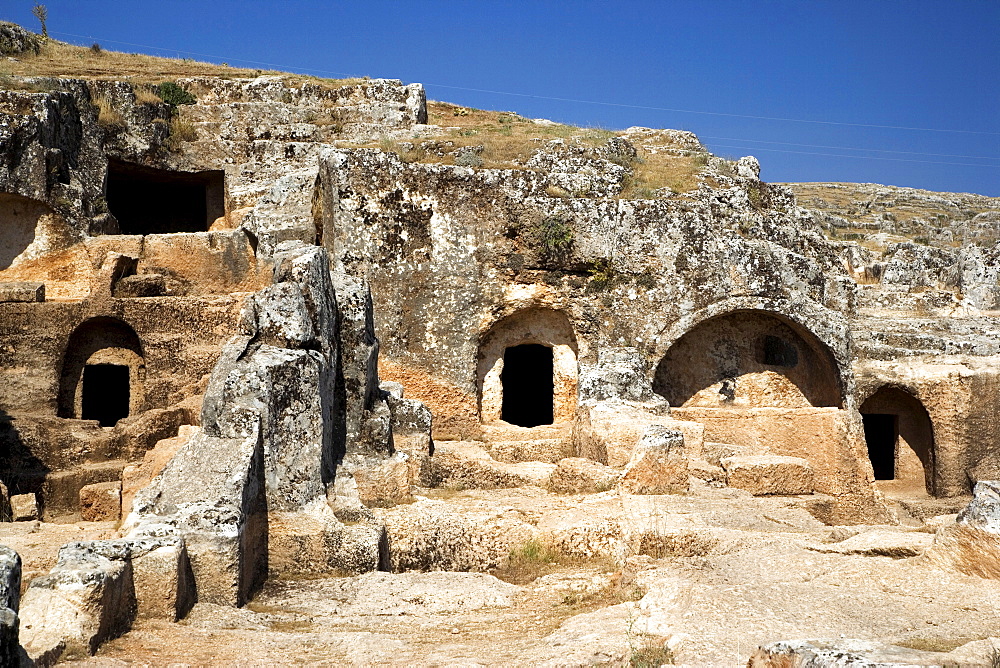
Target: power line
[565,99]
[852,148]
[859,157]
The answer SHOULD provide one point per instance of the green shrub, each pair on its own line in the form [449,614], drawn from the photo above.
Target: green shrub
[173,94]
[555,233]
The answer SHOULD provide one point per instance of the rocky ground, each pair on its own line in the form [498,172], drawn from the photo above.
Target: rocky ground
[713,574]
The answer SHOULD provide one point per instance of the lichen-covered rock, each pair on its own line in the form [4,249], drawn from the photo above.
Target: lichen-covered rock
[769,474]
[226,537]
[15,40]
[620,373]
[161,572]
[840,652]
[658,465]
[10,578]
[983,512]
[10,596]
[311,544]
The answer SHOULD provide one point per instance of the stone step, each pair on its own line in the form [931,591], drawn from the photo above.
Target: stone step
[549,450]
[468,465]
[502,431]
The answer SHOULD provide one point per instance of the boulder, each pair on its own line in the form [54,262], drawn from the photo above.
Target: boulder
[578,475]
[101,502]
[840,652]
[380,481]
[762,475]
[5,513]
[10,595]
[608,431]
[465,464]
[983,512]
[226,534]
[10,578]
[703,470]
[24,507]
[748,167]
[658,465]
[87,598]
[161,572]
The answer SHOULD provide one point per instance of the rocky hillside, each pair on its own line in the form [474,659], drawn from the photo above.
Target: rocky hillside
[879,215]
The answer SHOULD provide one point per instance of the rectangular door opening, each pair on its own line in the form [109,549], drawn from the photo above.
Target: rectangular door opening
[106,393]
[528,388]
[881,434]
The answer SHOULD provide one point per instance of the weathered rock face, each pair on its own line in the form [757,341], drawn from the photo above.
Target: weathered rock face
[10,598]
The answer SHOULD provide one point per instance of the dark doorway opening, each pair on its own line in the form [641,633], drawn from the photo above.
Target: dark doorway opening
[527,385]
[881,433]
[105,393]
[157,201]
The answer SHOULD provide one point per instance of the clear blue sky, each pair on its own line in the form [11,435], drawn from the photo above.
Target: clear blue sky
[931,67]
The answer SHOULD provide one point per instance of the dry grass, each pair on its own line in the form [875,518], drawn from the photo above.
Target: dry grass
[508,141]
[58,59]
[534,558]
[621,589]
[664,170]
[107,115]
[146,95]
[528,562]
[935,644]
[650,652]
[181,131]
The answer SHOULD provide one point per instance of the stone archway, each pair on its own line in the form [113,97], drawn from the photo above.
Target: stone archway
[527,369]
[900,439]
[103,372]
[750,359]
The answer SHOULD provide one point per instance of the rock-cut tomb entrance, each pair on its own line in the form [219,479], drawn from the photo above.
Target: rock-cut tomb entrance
[103,372]
[527,369]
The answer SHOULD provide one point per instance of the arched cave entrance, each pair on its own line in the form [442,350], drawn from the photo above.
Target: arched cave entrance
[103,372]
[145,200]
[527,370]
[748,359]
[900,439]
